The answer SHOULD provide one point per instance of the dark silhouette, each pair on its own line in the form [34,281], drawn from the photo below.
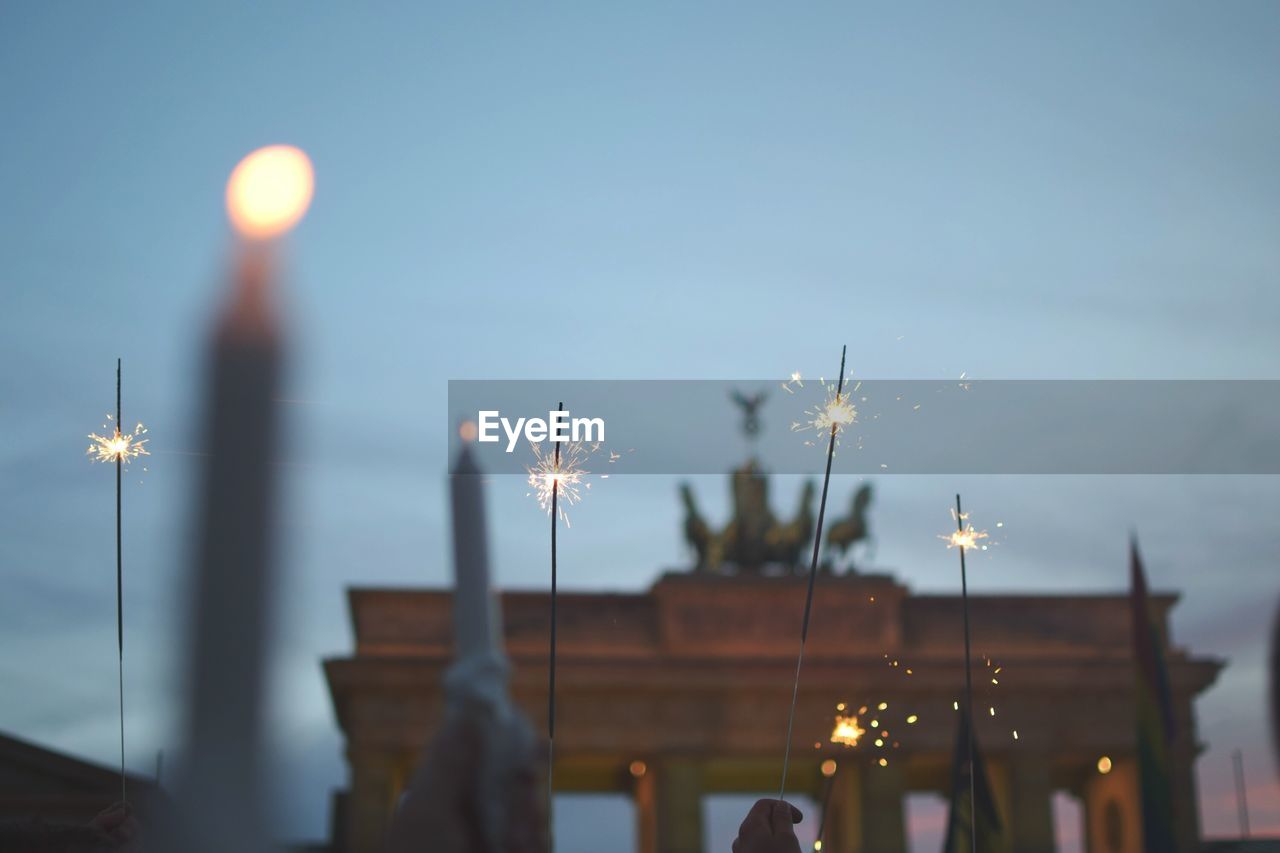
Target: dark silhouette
[853,528]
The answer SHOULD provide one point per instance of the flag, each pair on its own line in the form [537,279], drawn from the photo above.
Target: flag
[1154,716]
[990,830]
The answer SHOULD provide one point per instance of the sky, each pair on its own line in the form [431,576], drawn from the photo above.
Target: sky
[600,191]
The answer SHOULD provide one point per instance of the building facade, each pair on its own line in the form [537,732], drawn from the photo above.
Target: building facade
[683,690]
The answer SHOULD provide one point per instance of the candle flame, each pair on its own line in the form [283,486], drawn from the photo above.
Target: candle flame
[269,191]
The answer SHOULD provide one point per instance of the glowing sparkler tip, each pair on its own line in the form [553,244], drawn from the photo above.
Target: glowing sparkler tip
[562,477]
[847,732]
[118,446]
[835,413]
[965,535]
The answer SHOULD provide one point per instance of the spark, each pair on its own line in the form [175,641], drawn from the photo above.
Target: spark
[794,380]
[119,446]
[568,473]
[966,536]
[836,412]
[847,731]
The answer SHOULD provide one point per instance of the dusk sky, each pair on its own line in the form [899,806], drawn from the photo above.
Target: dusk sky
[604,191]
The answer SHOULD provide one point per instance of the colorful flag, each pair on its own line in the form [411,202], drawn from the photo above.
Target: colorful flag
[990,831]
[1154,711]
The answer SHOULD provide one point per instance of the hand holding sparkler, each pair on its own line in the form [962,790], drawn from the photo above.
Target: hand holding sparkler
[767,828]
[445,807]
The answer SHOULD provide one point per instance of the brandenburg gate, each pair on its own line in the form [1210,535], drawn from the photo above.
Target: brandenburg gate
[681,691]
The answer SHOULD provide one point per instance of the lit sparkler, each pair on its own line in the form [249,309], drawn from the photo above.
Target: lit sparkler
[118,446]
[848,729]
[558,479]
[965,536]
[836,412]
[835,418]
[847,732]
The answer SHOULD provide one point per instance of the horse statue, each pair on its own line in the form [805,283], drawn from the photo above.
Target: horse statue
[845,532]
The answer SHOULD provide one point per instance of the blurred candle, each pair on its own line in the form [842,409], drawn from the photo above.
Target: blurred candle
[476,617]
[476,684]
[221,798]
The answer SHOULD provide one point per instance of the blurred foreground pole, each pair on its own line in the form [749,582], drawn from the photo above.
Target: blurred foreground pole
[220,804]
[476,684]
[476,618]
[220,795]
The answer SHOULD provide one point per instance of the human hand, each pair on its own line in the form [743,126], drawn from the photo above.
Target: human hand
[116,825]
[767,828]
[440,812]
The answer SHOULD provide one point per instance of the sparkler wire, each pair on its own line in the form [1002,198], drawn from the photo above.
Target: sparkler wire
[120,586]
[808,600]
[968,685]
[551,686]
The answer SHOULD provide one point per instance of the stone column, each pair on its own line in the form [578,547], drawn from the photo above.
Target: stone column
[678,804]
[883,826]
[1113,809]
[1182,767]
[1030,813]
[374,787]
[843,830]
[645,798]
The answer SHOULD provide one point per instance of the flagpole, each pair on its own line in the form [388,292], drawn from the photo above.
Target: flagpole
[1242,802]
[968,685]
[120,586]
